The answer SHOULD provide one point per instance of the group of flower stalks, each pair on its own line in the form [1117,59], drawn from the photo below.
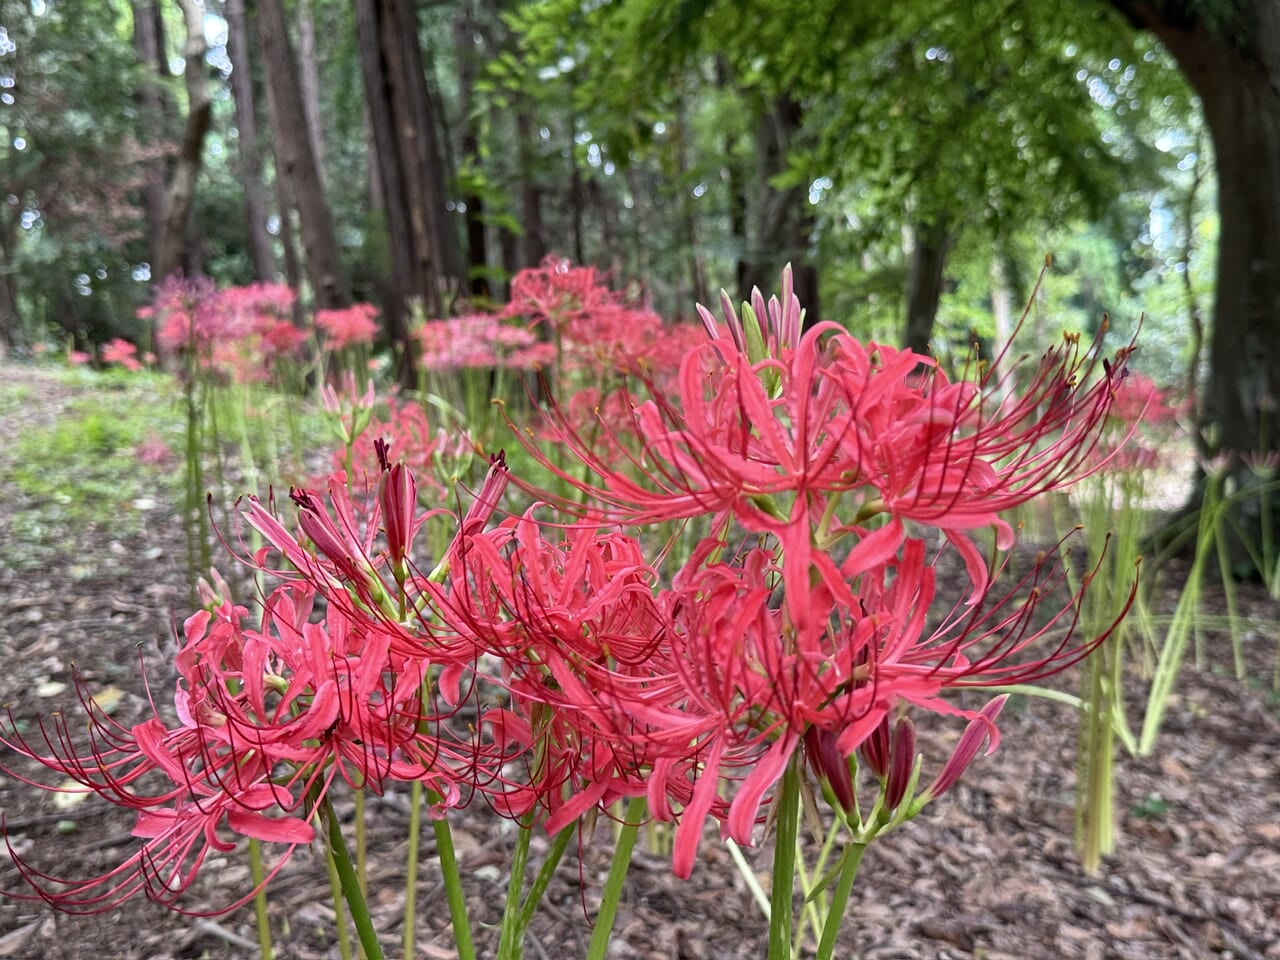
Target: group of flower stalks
[552,664]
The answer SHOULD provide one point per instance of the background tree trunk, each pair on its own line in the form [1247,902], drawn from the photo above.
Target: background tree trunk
[309,84]
[182,187]
[784,217]
[1234,67]
[295,160]
[930,245]
[260,252]
[148,43]
[467,45]
[533,241]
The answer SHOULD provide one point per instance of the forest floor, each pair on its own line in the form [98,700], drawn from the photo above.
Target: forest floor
[987,872]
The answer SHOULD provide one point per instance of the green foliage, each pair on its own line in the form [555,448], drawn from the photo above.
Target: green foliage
[69,160]
[83,469]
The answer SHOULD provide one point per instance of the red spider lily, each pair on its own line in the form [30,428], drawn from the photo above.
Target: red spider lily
[768,417]
[575,624]
[121,351]
[267,718]
[351,325]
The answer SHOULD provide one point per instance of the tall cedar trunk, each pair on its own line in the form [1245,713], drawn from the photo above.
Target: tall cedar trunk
[402,285]
[408,155]
[182,186]
[246,115]
[930,245]
[692,235]
[309,83]
[295,160]
[735,182]
[783,217]
[576,204]
[1235,70]
[147,44]
[533,241]
[466,42]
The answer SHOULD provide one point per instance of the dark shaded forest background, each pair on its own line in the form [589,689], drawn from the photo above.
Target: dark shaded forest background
[914,162]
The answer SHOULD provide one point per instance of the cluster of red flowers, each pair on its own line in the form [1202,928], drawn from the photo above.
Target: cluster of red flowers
[236,332]
[350,326]
[553,664]
[122,352]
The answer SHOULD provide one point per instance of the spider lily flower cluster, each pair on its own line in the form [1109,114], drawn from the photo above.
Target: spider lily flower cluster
[552,661]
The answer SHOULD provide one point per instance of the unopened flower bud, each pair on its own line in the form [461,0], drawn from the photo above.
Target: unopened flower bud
[902,763]
[829,765]
[875,749]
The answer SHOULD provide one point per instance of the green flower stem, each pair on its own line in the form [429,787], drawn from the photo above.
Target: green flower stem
[511,940]
[339,907]
[613,883]
[350,884]
[453,890]
[840,898]
[749,877]
[362,843]
[411,867]
[784,862]
[545,873]
[260,900]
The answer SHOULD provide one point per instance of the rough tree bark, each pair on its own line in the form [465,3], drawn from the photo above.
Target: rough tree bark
[467,42]
[930,245]
[182,185]
[533,241]
[783,218]
[409,156]
[309,83]
[296,162]
[1231,57]
[148,41]
[246,115]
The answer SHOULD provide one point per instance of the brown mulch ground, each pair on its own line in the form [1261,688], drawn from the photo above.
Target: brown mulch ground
[988,872]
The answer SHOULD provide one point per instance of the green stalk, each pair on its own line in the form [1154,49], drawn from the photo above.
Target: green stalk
[260,900]
[350,884]
[1169,662]
[362,846]
[840,898]
[453,890]
[784,862]
[1095,764]
[613,883]
[749,877]
[511,940]
[1229,595]
[411,867]
[545,873]
[339,906]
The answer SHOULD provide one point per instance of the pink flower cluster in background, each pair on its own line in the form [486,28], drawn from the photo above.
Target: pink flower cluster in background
[350,326]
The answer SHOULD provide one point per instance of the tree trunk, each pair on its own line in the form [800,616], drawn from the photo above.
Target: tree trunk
[692,234]
[784,217]
[182,187]
[466,43]
[148,44]
[930,245]
[246,115]
[295,160]
[11,334]
[309,84]
[1234,67]
[533,241]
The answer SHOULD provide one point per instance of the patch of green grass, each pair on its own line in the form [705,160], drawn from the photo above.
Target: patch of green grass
[13,397]
[84,469]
